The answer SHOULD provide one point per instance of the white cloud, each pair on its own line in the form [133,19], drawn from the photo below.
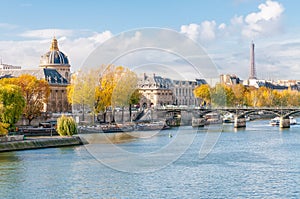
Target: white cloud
[101,37]
[204,31]
[191,30]
[7,26]
[222,26]
[264,22]
[77,45]
[46,33]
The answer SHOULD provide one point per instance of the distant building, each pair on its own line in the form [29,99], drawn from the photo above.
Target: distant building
[252,62]
[54,68]
[230,79]
[184,92]
[155,90]
[8,67]
[264,83]
[159,91]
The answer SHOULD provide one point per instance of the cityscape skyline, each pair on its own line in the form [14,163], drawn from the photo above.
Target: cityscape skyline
[224,31]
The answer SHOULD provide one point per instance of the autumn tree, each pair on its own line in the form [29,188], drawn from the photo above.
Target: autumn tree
[35,93]
[203,92]
[240,93]
[125,92]
[105,89]
[82,90]
[12,104]
[116,86]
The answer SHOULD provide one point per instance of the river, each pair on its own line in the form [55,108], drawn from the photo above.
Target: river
[260,161]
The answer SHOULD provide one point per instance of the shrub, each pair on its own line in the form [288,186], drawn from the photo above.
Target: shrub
[66,126]
[3,129]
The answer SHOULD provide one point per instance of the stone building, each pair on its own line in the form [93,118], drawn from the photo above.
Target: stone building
[230,79]
[155,91]
[54,68]
[159,91]
[184,92]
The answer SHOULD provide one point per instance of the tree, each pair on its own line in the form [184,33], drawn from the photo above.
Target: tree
[3,126]
[239,92]
[125,92]
[35,93]
[219,95]
[134,99]
[116,85]
[104,90]
[66,126]
[203,92]
[12,104]
[82,90]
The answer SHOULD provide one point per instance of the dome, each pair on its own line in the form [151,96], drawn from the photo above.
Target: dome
[54,56]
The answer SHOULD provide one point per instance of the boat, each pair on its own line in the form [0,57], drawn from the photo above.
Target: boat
[293,121]
[213,118]
[276,121]
[198,122]
[122,128]
[228,118]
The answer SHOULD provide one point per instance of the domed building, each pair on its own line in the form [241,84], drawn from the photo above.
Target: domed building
[57,60]
[57,72]
[55,68]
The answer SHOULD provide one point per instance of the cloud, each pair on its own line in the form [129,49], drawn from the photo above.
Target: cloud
[204,31]
[46,33]
[77,45]
[7,26]
[264,22]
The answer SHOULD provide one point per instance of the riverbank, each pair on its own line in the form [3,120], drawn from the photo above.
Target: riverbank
[40,142]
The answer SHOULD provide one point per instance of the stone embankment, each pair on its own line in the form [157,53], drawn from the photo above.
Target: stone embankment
[40,142]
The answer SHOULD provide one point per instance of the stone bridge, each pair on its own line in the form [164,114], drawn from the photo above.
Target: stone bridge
[239,113]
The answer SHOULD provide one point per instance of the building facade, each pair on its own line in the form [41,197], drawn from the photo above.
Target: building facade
[55,69]
[230,79]
[158,91]
[155,91]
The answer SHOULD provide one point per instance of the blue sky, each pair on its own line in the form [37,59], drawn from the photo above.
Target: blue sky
[224,28]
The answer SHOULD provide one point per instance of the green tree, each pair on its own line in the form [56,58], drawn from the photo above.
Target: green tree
[3,126]
[218,95]
[66,126]
[12,104]
[134,99]
[82,90]
[125,92]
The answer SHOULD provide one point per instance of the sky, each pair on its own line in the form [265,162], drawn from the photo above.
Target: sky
[223,29]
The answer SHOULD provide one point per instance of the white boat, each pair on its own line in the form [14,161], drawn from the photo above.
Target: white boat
[276,121]
[228,118]
[293,121]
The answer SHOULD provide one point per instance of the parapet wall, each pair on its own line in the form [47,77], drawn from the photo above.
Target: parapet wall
[37,143]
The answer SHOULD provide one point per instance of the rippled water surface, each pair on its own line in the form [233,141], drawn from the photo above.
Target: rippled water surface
[260,161]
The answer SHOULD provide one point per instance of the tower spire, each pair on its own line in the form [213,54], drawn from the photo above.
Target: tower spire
[54,45]
[252,62]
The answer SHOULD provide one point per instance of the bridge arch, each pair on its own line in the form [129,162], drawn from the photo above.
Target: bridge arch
[291,113]
[253,111]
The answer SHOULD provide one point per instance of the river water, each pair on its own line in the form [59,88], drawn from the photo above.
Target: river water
[260,161]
